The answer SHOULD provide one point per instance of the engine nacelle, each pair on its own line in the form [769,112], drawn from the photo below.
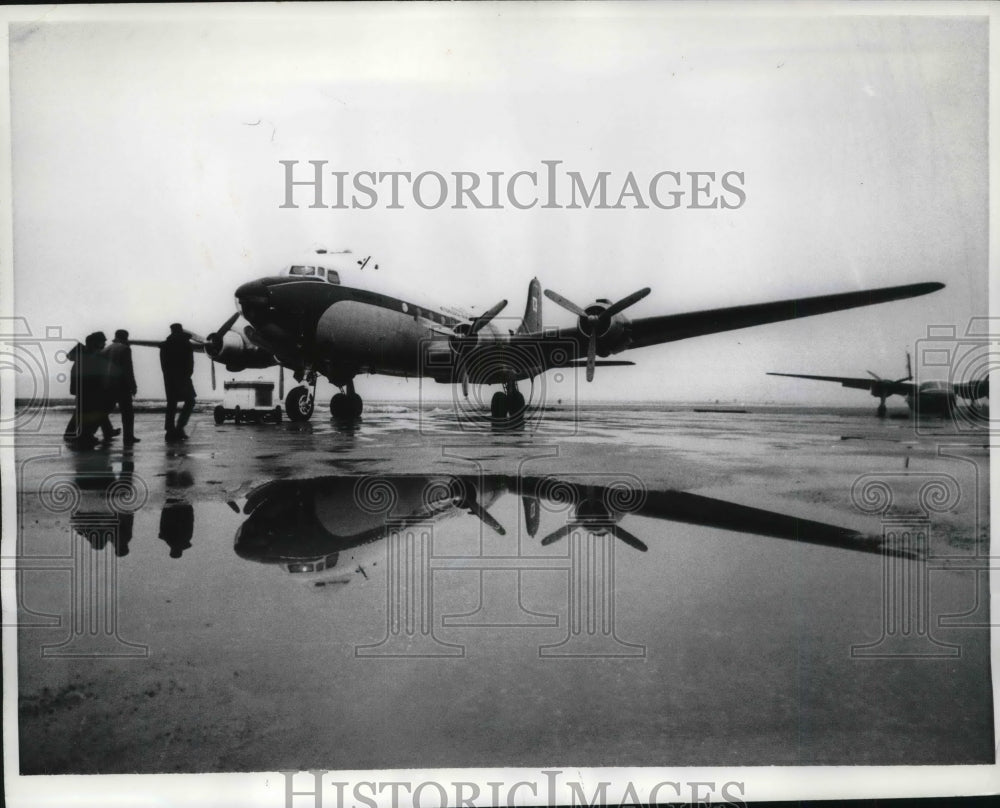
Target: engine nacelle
[238,353]
[612,337]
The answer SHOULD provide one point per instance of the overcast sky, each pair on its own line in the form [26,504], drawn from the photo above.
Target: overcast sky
[147,185]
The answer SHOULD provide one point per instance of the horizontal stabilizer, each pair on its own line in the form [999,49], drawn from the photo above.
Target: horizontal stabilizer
[601,363]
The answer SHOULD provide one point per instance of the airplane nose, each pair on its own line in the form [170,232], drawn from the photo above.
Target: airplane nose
[252,299]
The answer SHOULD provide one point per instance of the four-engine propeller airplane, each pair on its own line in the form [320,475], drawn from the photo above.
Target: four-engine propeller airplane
[309,319]
[926,398]
[330,524]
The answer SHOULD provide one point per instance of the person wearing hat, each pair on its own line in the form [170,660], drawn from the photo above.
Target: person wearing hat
[177,363]
[121,382]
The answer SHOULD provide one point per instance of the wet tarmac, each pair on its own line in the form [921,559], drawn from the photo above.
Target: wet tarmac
[629,585]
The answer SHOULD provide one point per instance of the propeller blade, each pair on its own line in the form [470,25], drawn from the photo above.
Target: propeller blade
[532,514]
[625,302]
[622,534]
[484,516]
[876,378]
[465,382]
[569,305]
[281,382]
[229,323]
[215,338]
[481,321]
[212,363]
[591,355]
[559,534]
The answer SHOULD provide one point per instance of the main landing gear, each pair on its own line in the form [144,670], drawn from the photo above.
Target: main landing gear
[346,406]
[880,412]
[507,405]
[299,403]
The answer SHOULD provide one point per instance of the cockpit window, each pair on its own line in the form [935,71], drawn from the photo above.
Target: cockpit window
[299,270]
[332,276]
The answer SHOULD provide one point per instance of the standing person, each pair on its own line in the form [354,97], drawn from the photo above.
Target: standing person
[121,382]
[177,363]
[88,382]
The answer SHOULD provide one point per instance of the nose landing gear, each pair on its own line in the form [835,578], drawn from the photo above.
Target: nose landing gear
[300,400]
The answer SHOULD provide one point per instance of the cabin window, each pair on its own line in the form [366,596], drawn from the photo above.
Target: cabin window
[332,276]
[405,308]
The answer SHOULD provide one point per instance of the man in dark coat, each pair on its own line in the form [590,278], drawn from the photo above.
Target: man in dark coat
[177,363]
[88,382]
[121,382]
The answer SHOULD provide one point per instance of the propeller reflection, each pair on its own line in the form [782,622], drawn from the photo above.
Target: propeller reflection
[316,524]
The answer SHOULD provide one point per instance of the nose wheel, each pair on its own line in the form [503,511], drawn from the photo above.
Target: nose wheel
[300,400]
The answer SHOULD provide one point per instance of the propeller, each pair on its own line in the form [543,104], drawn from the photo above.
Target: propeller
[886,382]
[213,343]
[466,499]
[463,337]
[214,340]
[612,530]
[597,321]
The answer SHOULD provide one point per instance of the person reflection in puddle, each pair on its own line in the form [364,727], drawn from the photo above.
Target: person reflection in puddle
[99,525]
[177,525]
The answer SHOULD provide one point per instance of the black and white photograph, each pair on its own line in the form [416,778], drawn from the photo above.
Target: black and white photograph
[494,404]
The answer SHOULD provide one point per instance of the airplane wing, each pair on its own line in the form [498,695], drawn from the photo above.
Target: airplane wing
[889,387]
[694,509]
[669,328]
[646,331]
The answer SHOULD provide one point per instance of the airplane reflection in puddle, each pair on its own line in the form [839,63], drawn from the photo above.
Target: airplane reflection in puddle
[333,524]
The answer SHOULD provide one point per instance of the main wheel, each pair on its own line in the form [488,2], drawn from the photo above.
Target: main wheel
[299,404]
[237,415]
[498,405]
[354,405]
[220,414]
[339,406]
[515,405]
[881,410]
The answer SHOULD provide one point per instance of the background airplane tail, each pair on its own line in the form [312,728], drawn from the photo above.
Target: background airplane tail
[532,322]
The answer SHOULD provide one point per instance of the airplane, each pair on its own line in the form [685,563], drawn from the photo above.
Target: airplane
[926,398]
[315,318]
[330,525]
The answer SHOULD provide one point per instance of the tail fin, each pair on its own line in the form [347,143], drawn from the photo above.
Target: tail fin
[532,322]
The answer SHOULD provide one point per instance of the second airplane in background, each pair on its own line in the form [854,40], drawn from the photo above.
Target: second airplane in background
[927,398]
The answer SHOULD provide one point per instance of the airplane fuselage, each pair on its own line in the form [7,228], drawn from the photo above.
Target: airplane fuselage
[342,331]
